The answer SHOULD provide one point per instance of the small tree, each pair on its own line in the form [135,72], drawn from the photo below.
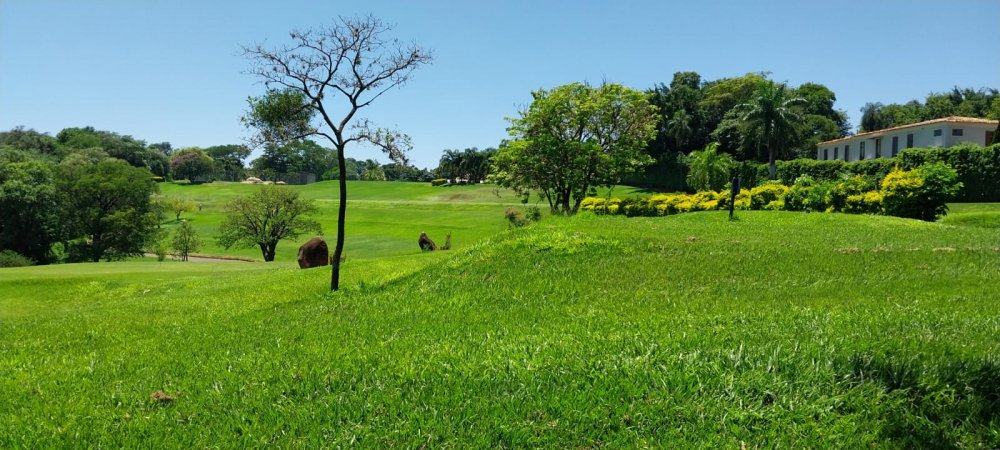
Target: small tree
[266,217]
[708,169]
[185,240]
[333,73]
[179,206]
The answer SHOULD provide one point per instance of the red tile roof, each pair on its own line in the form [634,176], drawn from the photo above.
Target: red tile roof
[951,119]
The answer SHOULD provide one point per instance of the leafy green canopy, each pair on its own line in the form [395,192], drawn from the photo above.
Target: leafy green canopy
[190,164]
[965,102]
[109,210]
[770,113]
[29,209]
[574,138]
[266,217]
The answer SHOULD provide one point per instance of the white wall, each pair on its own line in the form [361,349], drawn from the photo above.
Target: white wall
[972,133]
[923,137]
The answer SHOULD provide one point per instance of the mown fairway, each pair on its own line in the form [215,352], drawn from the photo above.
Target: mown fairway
[383,218]
[780,329]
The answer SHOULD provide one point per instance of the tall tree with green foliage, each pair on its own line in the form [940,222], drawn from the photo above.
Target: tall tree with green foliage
[574,138]
[266,217]
[29,209]
[109,210]
[229,161]
[333,73]
[679,128]
[123,147]
[872,118]
[770,112]
[190,164]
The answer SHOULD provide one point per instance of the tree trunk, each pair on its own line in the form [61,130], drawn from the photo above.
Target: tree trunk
[341,214]
[564,201]
[770,162]
[95,252]
[267,250]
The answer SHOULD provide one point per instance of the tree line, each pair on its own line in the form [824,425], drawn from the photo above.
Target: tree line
[965,102]
[754,118]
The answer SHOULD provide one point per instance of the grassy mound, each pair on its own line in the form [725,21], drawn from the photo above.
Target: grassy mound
[781,329]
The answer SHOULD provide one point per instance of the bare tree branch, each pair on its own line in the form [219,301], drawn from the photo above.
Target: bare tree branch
[352,57]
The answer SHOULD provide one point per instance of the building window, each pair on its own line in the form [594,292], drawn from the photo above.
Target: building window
[826,154]
[909,140]
[937,132]
[989,138]
[847,152]
[836,153]
[895,146]
[878,147]
[956,132]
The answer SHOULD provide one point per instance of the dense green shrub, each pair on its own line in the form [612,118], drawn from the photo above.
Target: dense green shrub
[836,197]
[864,203]
[921,193]
[978,168]
[439,182]
[533,213]
[10,258]
[668,173]
[751,173]
[517,218]
[789,171]
[769,196]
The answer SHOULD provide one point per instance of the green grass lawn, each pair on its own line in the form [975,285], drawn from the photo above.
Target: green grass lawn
[983,215]
[777,330]
[383,218]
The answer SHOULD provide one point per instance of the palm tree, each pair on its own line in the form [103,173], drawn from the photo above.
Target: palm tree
[708,169]
[451,164]
[770,112]
[679,128]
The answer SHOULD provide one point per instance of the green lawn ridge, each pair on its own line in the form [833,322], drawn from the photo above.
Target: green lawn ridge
[779,329]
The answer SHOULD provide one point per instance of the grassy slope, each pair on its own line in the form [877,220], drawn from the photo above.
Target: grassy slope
[781,329]
[383,218]
[983,215]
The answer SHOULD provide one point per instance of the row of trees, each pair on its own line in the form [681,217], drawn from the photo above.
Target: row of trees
[161,159]
[958,102]
[694,113]
[74,209]
[471,164]
[306,156]
[221,162]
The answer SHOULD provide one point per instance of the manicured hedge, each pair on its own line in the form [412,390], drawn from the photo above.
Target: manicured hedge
[920,193]
[978,169]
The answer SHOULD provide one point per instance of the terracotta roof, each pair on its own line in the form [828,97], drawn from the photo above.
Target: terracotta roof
[951,119]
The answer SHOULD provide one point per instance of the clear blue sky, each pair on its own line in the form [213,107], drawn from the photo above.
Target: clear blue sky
[171,70]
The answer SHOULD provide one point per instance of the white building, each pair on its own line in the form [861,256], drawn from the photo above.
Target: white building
[944,132]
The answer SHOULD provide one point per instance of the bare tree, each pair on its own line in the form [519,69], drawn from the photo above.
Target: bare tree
[332,73]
